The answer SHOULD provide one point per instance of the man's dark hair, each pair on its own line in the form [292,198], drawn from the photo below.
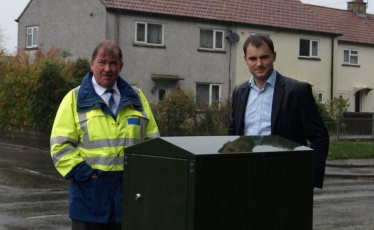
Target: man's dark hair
[258,40]
[107,46]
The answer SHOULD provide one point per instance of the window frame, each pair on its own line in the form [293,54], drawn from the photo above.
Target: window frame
[34,38]
[146,33]
[211,85]
[214,39]
[310,48]
[350,55]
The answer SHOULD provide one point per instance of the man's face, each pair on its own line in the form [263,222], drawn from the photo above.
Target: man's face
[260,62]
[106,68]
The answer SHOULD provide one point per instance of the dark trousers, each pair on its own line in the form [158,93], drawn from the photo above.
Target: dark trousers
[81,225]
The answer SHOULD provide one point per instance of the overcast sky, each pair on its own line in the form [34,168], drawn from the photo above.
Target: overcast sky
[11,10]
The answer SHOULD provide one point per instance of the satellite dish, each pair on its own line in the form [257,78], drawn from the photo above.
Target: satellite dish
[233,37]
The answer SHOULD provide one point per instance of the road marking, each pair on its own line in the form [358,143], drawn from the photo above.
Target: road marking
[45,216]
[38,173]
[28,170]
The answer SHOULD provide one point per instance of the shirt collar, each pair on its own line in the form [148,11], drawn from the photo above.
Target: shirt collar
[271,80]
[101,90]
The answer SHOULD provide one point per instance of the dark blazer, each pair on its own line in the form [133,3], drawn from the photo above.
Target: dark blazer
[294,116]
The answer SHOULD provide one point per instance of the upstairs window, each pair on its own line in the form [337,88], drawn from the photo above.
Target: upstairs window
[309,48]
[207,93]
[211,39]
[149,33]
[254,33]
[350,57]
[32,37]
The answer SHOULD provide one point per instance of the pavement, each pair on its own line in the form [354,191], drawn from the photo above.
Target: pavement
[350,168]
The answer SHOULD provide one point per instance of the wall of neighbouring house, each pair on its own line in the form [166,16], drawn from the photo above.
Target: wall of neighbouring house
[288,63]
[351,78]
[74,26]
[179,56]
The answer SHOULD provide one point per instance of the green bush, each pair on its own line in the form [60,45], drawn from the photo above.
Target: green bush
[178,114]
[174,110]
[212,119]
[44,103]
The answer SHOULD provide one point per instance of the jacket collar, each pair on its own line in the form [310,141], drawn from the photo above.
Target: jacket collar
[88,99]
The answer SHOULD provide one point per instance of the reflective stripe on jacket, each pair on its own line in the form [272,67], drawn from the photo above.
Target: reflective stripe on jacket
[87,137]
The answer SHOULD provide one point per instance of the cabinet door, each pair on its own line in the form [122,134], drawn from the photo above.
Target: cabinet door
[156,193]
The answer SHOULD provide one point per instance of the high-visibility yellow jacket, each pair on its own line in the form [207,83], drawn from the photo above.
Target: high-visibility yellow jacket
[87,137]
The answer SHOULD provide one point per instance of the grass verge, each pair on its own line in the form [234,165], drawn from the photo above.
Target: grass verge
[356,149]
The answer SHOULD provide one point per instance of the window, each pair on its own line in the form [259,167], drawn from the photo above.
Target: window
[253,33]
[207,93]
[32,37]
[308,48]
[341,96]
[149,33]
[211,39]
[350,57]
[320,96]
[161,94]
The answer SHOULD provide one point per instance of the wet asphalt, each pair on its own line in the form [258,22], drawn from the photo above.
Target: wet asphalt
[34,196]
[32,193]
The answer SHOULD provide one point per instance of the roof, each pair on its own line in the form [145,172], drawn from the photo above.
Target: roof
[288,14]
[354,28]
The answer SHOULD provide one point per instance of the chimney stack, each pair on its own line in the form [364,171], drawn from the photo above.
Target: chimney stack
[358,6]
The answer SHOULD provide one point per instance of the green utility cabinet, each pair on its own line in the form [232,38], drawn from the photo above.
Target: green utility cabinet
[218,182]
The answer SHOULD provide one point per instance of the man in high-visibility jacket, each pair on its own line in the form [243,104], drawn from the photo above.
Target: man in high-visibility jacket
[92,128]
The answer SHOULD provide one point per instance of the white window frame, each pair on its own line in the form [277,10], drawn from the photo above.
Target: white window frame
[30,32]
[311,41]
[320,96]
[214,39]
[351,55]
[146,33]
[211,91]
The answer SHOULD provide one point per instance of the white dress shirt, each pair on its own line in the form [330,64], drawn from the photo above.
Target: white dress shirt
[257,119]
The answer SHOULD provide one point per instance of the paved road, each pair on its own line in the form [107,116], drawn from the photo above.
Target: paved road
[34,196]
[344,204]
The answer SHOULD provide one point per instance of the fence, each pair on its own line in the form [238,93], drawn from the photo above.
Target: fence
[352,126]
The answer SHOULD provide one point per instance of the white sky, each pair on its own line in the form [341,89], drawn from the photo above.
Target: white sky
[12,9]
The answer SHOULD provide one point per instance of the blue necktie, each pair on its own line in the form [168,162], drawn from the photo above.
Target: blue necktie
[112,105]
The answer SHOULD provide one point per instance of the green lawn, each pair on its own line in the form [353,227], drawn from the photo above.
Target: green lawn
[351,149]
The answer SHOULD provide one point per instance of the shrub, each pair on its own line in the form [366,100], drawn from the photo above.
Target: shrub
[43,104]
[174,110]
[31,88]
[178,114]
[212,119]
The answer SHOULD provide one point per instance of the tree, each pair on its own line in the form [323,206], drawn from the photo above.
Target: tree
[3,37]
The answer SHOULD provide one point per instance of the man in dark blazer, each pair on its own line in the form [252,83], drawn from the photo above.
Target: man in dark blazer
[272,104]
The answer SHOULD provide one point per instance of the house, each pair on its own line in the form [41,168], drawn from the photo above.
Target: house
[163,49]
[197,44]
[353,75]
